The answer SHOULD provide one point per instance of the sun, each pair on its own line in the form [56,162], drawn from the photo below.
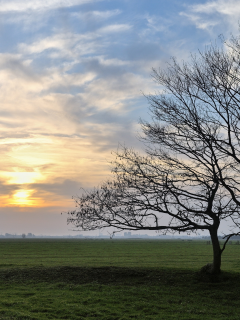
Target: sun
[21,197]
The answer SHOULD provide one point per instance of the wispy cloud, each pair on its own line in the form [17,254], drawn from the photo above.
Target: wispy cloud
[115,28]
[212,14]
[39,5]
[96,14]
[70,44]
[232,7]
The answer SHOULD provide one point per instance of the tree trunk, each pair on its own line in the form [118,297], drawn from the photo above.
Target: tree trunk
[217,252]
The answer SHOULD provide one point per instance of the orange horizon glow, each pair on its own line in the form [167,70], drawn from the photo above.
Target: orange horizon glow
[27,198]
[37,176]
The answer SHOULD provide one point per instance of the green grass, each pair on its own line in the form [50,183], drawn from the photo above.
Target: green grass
[120,253]
[113,279]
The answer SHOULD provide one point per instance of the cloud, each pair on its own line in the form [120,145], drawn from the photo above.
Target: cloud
[114,28]
[59,128]
[201,22]
[72,45]
[58,189]
[68,98]
[63,42]
[99,15]
[214,15]
[65,18]
[39,5]
[231,7]
[157,24]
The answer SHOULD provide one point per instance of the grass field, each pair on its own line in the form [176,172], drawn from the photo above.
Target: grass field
[115,279]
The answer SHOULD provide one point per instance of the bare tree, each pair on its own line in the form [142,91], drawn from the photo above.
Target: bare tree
[188,180]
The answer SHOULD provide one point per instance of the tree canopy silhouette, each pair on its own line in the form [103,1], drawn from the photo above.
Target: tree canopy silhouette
[188,179]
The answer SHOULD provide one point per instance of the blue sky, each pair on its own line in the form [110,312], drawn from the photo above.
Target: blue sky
[72,78]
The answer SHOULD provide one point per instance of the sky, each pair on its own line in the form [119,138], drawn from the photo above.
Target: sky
[73,74]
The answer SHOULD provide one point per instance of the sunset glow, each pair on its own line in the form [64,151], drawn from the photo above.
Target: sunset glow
[21,198]
[21,177]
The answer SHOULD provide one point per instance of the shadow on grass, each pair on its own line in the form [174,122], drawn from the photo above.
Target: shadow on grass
[119,276]
[115,293]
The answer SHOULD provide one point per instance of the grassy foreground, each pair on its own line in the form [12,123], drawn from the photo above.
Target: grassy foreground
[115,279]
